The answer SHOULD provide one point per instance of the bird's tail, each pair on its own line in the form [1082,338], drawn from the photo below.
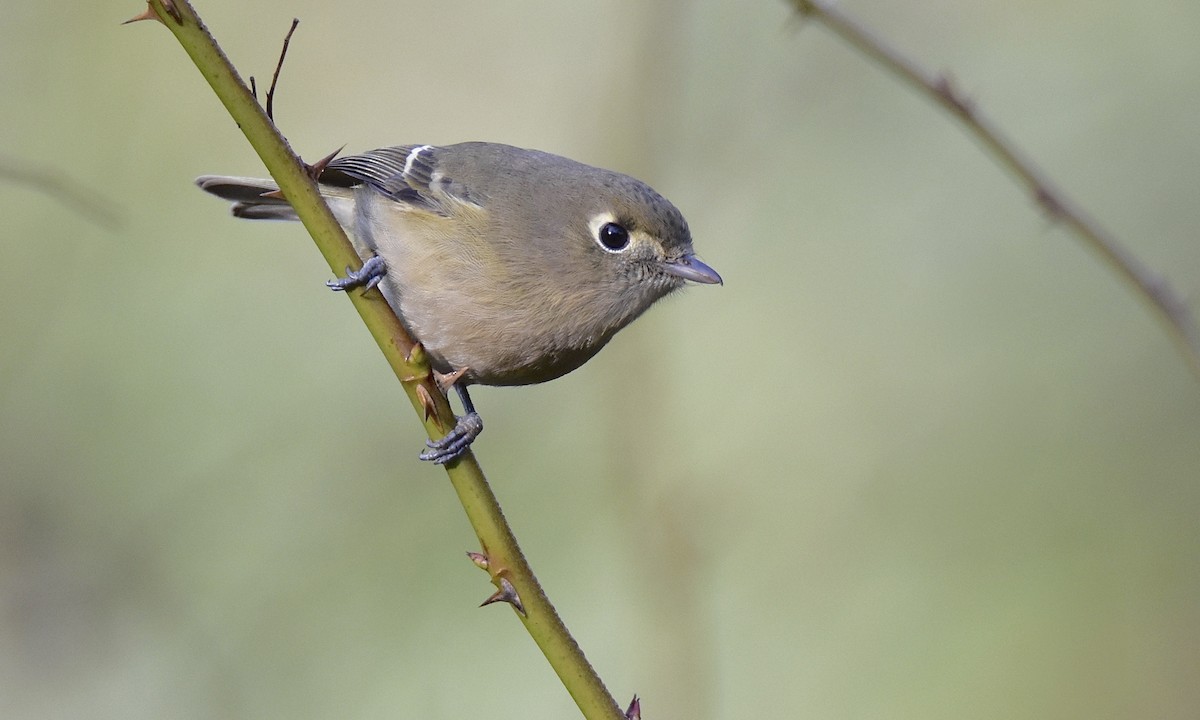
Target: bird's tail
[253,198]
[259,198]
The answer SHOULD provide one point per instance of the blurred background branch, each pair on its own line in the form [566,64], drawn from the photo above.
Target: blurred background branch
[1171,307]
[70,193]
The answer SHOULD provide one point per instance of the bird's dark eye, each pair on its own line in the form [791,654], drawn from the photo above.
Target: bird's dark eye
[613,237]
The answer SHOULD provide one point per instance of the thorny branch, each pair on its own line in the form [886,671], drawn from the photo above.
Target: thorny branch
[501,557]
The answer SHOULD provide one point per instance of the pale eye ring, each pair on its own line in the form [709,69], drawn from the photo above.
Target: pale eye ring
[613,237]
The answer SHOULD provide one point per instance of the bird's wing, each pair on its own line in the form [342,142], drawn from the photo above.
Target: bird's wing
[408,174]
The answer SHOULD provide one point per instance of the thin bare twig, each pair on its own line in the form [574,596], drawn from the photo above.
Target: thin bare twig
[279,66]
[1153,287]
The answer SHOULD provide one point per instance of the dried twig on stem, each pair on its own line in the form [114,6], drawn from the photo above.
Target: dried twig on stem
[279,66]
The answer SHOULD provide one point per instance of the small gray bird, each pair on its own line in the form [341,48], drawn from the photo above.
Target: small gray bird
[510,266]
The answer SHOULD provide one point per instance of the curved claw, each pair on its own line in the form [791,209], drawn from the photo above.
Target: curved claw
[456,442]
[372,271]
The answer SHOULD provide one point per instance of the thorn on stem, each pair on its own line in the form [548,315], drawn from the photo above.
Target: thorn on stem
[416,354]
[635,709]
[428,408]
[169,6]
[480,560]
[507,593]
[147,14]
[446,380]
[314,171]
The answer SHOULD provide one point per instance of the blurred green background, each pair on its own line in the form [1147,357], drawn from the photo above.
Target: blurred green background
[922,456]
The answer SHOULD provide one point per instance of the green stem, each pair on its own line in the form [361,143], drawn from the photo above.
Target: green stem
[503,556]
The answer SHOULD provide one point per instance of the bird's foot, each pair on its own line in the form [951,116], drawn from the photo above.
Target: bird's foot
[456,442]
[372,271]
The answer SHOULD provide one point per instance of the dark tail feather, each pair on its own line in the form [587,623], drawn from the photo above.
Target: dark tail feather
[247,197]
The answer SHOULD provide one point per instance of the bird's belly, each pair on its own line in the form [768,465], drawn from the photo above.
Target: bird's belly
[499,345]
[495,354]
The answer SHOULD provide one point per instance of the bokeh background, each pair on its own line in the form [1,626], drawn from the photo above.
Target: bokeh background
[922,456]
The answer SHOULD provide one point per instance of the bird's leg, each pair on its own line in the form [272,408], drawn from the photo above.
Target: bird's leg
[367,277]
[468,425]
[466,428]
